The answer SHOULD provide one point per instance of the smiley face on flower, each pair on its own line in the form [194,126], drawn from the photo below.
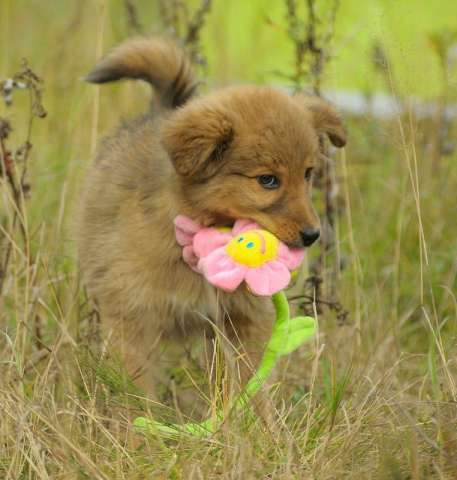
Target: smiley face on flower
[253,248]
[227,257]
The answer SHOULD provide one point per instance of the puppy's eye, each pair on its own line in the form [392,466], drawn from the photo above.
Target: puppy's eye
[308,173]
[269,181]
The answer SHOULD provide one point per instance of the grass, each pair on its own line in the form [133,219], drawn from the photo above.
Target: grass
[373,397]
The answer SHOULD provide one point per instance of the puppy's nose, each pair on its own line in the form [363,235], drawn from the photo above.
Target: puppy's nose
[309,236]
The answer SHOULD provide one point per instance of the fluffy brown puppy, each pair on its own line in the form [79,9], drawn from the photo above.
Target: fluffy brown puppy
[241,152]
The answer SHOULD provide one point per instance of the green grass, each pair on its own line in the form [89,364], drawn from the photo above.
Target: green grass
[371,398]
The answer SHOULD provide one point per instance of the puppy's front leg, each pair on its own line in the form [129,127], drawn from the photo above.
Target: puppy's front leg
[135,343]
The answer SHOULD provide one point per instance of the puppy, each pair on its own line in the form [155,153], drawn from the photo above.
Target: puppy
[240,152]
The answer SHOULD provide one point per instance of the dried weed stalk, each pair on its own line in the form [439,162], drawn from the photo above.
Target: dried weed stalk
[13,171]
[186,25]
[132,16]
[312,35]
[178,20]
[312,38]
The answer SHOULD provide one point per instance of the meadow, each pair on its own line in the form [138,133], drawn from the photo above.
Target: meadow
[374,395]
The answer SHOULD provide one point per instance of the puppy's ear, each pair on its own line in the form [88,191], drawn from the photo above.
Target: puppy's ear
[325,118]
[196,138]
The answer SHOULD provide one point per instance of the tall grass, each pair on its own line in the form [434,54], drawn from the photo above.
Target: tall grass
[372,397]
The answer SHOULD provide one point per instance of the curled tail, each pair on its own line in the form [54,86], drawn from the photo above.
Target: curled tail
[157,61]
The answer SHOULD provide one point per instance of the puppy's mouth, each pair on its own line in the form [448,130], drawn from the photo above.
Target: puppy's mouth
[219,219]
[297,244]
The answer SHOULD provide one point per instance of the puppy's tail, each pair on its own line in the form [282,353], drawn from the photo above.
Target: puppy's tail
[155,60]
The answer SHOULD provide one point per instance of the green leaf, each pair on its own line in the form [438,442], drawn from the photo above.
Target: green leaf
[289,335]
[151,427]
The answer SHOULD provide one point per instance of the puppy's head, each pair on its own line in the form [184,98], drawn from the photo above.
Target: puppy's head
[249,152]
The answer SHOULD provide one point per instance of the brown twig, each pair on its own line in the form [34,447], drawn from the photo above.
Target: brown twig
[309,302]
[311,43]
[14,167]
[186,26]
[312,37]
[133,23]
[194,27]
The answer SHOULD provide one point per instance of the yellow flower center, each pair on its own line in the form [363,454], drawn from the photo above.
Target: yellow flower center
[253,248]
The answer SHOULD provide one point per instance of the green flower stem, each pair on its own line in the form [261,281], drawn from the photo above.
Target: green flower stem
[287,335]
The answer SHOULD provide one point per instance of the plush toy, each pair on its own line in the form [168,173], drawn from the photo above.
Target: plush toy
[227,257]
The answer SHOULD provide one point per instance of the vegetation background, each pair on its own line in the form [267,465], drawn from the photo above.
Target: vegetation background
[374,396]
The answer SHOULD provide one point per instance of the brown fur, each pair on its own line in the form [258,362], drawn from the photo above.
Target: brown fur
[200,160]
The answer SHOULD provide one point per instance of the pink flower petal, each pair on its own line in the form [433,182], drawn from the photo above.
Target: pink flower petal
[242,225]
[190,258]
[185,229]
[183,238]
[208,239]
[268,279]
[221,271]
[291,257]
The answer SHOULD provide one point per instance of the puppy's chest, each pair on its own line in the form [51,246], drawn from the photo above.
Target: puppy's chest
[180,298]
[200,304]
[213,307]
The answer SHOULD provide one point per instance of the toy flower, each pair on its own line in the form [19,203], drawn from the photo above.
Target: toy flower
[246,252]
